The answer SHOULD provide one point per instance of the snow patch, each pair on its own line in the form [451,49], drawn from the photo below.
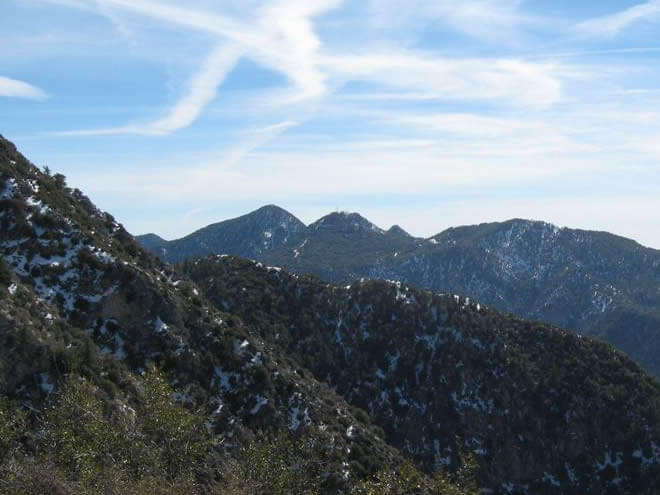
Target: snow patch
[394,360]
[46,386]
[9,189]
[105,257]
[430,341]
[239,347]
[160,327]
[223,378]
[261,401]
[549,478]
[295,416]
[97,297]
[438,458]
[570,472]
[653,459]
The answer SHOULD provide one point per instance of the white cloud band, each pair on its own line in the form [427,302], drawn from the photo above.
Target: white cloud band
[19,89]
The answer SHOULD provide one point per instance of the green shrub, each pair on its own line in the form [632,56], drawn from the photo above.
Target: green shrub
[280,466]
[79,439]
[12,428]
[179,436]
[5,273]
[92,438]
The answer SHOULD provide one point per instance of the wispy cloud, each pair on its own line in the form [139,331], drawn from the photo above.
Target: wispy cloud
[200,91]
[251,140]
[498,80]
[611,25]
[20,89]
[281,37]
[498,21]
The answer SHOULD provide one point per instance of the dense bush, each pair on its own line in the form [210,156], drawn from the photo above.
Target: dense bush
[12,426]
[5,273]
[88,443]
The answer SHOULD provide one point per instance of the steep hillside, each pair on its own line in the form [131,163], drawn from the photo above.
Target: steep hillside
[79,297]
[544,410]
[595,283]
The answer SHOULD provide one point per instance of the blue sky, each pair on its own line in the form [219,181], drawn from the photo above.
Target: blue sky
[427,114]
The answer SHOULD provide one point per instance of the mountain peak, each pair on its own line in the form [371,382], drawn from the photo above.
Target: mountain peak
[268,216]
[249,235]
[397,230]
[271,209]
[346,222]
[529,222]
[151,237]
[153,242]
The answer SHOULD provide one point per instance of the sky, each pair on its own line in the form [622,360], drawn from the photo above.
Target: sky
[427,114]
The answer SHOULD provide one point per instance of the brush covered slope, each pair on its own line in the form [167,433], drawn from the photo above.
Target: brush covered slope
[595,283]
[542,409]
[80,298]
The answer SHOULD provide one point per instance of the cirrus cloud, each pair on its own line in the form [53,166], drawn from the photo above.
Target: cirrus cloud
[20,89]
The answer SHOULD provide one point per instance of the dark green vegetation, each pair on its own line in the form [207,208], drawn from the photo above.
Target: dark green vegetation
[537,405]
[596,283]
[87,317]
[120,374]
[86,441]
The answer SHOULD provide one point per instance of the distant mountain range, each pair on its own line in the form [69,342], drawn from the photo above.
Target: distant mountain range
[596,283]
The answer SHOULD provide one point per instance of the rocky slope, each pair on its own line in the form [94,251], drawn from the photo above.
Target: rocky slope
[544,410]
[595,283]
[79,296]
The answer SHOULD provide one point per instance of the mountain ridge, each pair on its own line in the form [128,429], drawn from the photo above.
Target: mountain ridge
[395,228]
[592,282]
